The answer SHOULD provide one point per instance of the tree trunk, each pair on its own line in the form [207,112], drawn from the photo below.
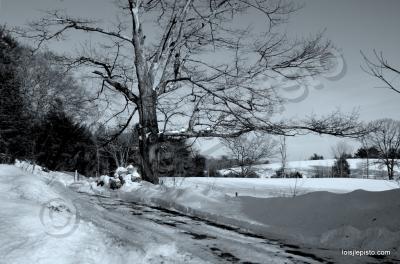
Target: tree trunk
[390,169]
[148,135]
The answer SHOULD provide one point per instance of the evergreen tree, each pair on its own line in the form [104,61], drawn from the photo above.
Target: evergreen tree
[14,119]
[315,156]
[64,144]
[177,160]
[341,168]
[198,166]
[363,153]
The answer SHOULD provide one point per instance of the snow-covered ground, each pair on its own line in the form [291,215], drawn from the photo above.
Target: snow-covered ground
[316,168]
[279,187]
[87,223]
[42,221]
[354,214]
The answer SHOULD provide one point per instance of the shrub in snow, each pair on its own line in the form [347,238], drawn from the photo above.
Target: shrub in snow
[124,176]
[121,177]
[232,174]
[104,180]
[295,174]
[252,174]
[287,174]
[115,183]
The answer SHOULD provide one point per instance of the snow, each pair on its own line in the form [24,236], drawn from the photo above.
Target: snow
[44,220]
[308,168]
[157,75]
[120,171]
[355,213]
[350,220]
[105,179]
[272,187]
[135,12]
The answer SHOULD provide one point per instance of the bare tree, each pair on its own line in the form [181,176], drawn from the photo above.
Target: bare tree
[249,150]
[161,57]
[386,138]
[381,69]
[283,153]
[342,149]
[44,84]
[364,144]
[121,149]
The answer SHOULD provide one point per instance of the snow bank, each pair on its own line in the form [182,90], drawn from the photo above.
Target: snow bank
[42,222]
[359,219]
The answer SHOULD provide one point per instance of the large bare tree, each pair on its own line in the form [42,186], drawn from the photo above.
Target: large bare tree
[192,68]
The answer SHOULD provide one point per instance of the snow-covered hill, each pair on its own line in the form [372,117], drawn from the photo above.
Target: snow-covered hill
[320,168]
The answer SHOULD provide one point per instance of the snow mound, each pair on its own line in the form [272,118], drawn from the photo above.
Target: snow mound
[357,219]
[376,238]
[120,171]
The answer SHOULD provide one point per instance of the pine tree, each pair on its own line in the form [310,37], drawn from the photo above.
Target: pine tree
[14,119]
[64,144]
[341,168]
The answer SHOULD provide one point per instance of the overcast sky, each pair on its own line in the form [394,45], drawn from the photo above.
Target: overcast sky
[352,25]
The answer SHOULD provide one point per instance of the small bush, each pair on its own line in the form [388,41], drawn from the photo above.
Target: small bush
[315,156]
[287,174]
[232,174]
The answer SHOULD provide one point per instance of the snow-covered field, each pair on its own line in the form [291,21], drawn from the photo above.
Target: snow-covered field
[279,187]
[45,218]
[316,168]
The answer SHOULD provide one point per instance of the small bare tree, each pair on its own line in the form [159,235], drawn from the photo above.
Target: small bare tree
[386,138]
[341,149]
[283,153]
[365,167]
[161,58]
[249,150]
[381,69]
[121,148]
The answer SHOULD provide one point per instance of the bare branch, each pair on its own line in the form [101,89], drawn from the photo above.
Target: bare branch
[382,70]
